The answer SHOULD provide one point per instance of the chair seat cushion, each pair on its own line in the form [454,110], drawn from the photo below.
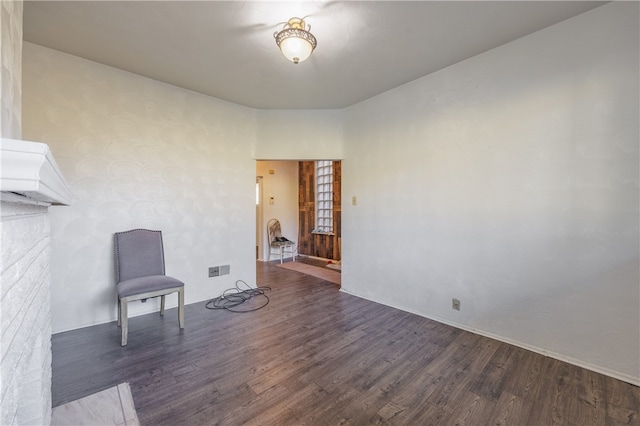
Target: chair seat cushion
[282,243]
[147,284]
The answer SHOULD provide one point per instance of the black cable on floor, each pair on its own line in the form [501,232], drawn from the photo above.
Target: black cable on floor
[233,297]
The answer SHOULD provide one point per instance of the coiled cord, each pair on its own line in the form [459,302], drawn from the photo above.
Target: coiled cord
[234,297]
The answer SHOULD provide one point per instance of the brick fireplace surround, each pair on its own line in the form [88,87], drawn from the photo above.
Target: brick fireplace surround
[30,182]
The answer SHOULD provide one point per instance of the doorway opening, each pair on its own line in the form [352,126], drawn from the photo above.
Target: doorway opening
[287,190]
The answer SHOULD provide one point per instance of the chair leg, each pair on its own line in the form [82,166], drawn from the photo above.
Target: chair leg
[124,321]
[181,307]
[281,253]
[162,305]
[119,312]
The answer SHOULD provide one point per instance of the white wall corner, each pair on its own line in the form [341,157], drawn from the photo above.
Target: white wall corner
[29,173]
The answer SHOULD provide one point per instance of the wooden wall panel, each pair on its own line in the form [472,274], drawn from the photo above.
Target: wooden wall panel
[319,245]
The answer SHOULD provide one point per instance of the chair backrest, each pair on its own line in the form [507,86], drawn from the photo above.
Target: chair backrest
[139,253]
[273,230]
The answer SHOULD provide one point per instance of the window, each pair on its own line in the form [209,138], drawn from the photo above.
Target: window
[324,196]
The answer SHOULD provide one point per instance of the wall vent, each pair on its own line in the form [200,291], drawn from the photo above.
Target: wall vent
[216,271]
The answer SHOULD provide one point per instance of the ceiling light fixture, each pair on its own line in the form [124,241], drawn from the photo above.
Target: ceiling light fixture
[295,41]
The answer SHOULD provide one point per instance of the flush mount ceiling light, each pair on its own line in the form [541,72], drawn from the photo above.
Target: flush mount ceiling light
[295,41]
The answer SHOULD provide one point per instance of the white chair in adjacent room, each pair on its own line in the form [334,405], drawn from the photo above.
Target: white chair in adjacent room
[277,242]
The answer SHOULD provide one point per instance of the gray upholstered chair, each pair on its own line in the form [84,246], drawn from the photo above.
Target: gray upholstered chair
[140,273]
[277,242]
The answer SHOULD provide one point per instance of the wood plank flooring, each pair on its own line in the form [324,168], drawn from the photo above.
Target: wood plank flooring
[316,356]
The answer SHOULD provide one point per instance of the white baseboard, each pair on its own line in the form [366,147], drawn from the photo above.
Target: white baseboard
[570,360]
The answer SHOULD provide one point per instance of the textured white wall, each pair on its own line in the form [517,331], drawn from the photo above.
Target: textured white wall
[10,69]
[139,154]
[283,187]
[299,134]
[509,181]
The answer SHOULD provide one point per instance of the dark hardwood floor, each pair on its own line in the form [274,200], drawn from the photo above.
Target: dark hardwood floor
[316,356]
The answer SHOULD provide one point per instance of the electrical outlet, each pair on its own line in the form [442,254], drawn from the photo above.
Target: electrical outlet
[455,304]
[225,269]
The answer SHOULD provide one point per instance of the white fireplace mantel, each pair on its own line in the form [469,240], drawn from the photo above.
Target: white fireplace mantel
[29,174]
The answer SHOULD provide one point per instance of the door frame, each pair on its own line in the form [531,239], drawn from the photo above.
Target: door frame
[259,218]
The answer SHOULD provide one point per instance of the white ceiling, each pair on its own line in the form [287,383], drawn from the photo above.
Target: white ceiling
[226,49]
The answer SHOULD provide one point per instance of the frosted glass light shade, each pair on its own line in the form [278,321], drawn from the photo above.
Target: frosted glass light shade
[296,49]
